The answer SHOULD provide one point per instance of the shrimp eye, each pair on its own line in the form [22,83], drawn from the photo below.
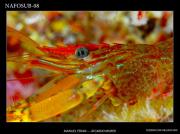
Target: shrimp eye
[82,52]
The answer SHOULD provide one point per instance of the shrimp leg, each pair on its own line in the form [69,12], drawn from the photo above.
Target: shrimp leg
[59,98]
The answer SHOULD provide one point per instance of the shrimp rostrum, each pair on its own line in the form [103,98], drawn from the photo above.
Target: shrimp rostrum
[96,82]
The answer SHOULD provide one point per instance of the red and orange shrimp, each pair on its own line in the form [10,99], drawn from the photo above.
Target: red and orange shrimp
[95,78]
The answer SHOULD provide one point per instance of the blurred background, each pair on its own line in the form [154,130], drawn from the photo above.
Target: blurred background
[93,26]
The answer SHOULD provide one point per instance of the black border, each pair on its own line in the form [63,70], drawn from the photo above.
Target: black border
[99,5]
[89,5]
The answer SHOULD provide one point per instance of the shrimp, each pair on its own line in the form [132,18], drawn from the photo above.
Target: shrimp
[87,81]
